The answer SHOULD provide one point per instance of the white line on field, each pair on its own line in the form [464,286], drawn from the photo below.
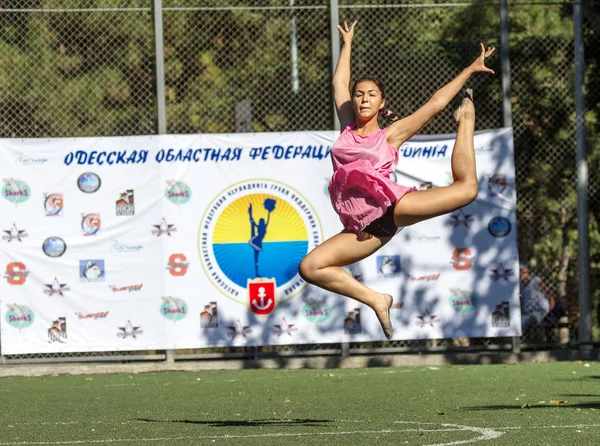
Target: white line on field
[486,433]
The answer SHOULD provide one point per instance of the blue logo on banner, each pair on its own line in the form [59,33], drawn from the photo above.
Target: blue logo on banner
[388,266]
[257,229]
[499,226]
[91,270]
[54,247]
[88,182]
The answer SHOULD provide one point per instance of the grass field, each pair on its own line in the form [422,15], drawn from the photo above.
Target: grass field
[529,404]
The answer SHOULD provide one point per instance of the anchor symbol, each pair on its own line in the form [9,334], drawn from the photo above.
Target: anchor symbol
[262,305]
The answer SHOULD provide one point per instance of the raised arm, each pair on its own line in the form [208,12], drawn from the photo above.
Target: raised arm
[341,78]
[403,129]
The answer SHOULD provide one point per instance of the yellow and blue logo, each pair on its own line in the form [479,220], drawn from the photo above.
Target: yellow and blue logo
[257,229]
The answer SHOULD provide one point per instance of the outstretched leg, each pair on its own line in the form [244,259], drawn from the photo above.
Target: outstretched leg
[323,267]
[422,205]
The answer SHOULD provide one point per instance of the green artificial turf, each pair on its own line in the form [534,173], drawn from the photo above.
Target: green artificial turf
[529,404]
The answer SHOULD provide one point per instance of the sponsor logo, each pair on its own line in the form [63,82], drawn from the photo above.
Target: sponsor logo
[177,192]
[92,270]
[19,316]
[54,247]
[126,204]
[117,246]
[98,315]
[316,311]
[53,205]
[88,182]
[163,228]
[14,233]
[27,160]
[426,278]
[462,301]
[498,185]
[173,308]
[501,315]
[257,229]
[356,271]
[460,219]
[284,328]
[128,288]
[388,266]
[501,273]
[412,235]
[56,288]
[352,322]
[209,318]
[177,265]
[462,259]
[58,331]
[238,333]
[328,179]
[488,149]
[499,226]
[16,273]
[129,331]
[15,191]
[90,224]
[261,295]
[427,319]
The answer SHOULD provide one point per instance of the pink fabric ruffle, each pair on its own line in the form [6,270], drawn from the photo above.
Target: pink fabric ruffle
[360,194]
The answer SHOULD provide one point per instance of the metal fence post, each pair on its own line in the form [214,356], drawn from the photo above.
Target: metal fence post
[505,65]
[585,323]
[160,67]
[334,19]
[506,105]
[160,95]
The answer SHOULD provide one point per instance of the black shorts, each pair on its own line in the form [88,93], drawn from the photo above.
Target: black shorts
[384,226]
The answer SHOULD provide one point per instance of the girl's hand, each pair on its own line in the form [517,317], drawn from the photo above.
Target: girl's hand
[478,66]
[347,33]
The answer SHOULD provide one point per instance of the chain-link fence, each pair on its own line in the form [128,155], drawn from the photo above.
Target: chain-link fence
[87,67]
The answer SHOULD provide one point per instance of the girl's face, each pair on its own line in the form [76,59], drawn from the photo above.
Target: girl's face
[367,100]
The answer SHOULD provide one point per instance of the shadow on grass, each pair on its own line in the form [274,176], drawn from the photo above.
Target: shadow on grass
[536,406]
[243,423]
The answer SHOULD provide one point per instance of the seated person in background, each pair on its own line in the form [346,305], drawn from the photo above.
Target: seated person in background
[537,301]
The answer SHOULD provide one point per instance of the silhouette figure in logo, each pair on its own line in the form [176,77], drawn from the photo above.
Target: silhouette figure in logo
[259,231]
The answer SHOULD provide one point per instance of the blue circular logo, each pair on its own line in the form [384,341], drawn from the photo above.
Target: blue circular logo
[89,182]
[499,226]
[54,247]
[254,232]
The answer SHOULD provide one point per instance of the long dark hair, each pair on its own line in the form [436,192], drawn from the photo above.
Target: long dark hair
[385,113]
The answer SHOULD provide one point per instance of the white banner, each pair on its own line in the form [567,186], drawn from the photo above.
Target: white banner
[181,241]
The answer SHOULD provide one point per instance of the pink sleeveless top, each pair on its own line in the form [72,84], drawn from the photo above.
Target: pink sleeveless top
[361,189]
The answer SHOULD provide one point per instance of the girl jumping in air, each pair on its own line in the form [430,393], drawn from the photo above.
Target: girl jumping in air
[370,205]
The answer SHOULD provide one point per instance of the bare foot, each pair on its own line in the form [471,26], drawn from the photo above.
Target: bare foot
[382,310]
[466,108]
